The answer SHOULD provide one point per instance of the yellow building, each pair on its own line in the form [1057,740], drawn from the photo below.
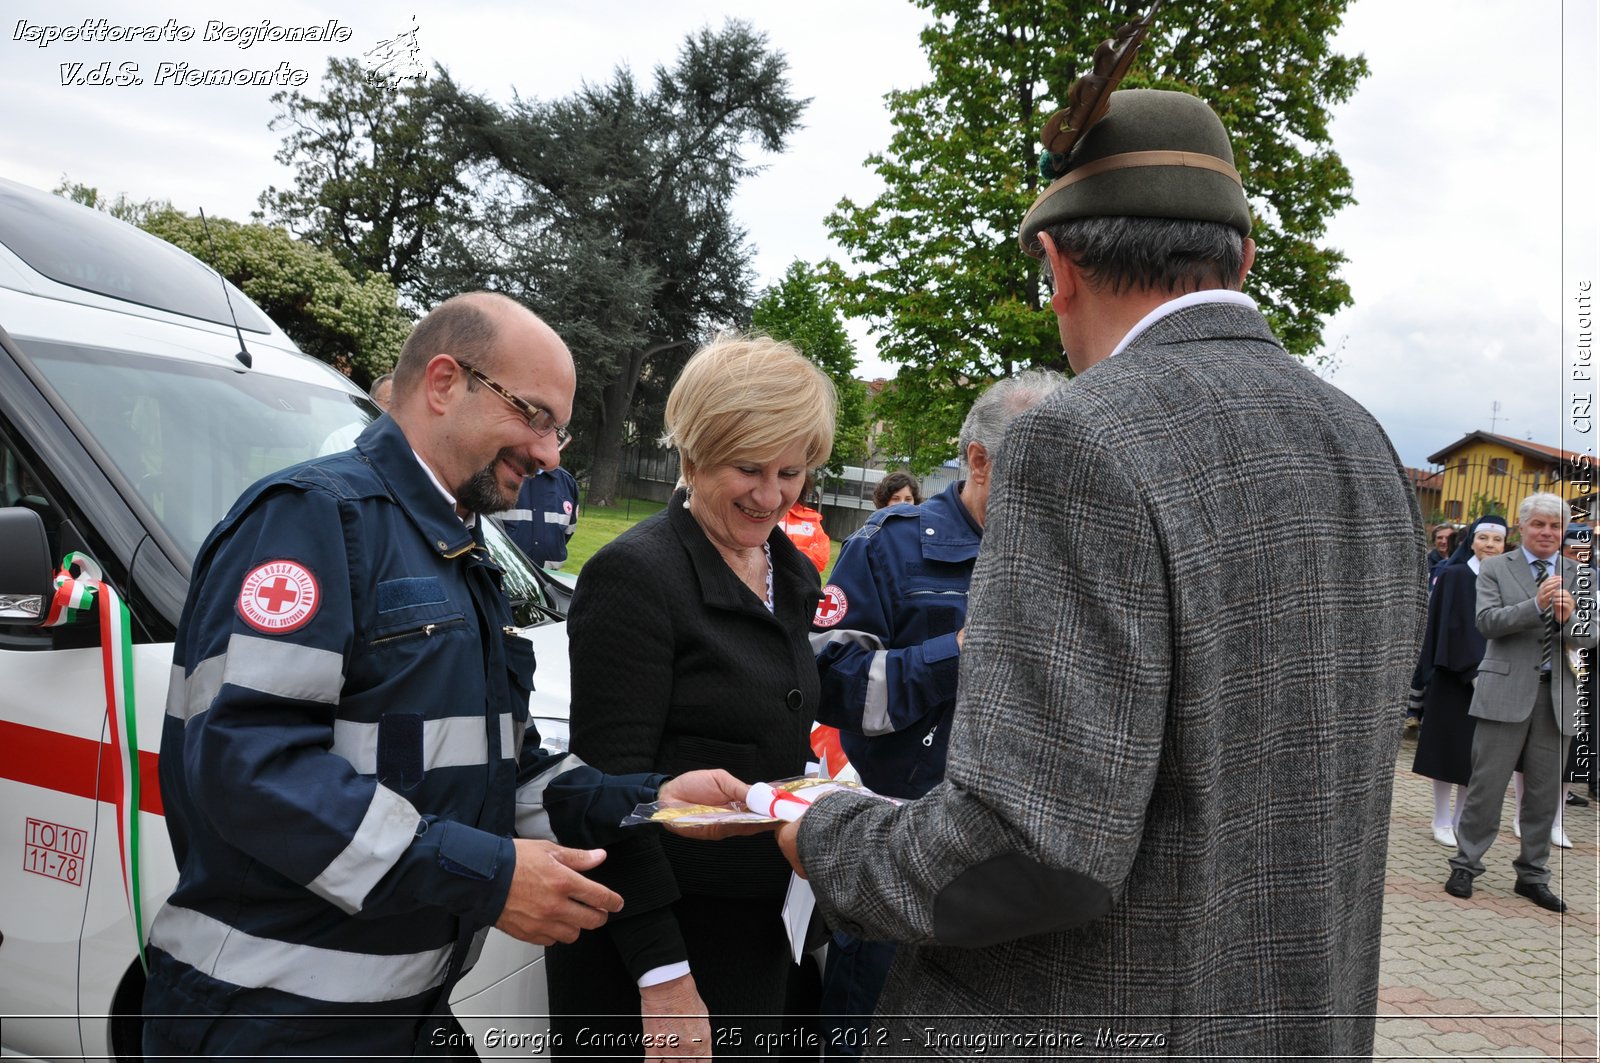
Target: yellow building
[1484,471]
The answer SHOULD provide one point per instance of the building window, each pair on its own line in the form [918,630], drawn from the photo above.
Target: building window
[1452,509]
[1499,466]
[1461,466]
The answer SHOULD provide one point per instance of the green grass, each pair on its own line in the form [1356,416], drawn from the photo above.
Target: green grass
[598,525]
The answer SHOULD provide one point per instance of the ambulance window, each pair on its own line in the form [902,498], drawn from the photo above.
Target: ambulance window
[20,487]
[93,251]
[189,438]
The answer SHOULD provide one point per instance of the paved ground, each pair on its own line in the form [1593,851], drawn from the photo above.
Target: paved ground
[1494,977]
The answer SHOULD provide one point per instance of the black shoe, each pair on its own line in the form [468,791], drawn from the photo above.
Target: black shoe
[1577,802]
[1460,884]
[1540,894]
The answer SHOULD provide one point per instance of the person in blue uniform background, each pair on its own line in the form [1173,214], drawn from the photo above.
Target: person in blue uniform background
[545,516]
[887,635]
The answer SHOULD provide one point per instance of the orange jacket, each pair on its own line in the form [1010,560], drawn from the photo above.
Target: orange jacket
[803,526]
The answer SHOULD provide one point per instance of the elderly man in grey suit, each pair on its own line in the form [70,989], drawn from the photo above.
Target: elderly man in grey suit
[1165,814]
[1526,701]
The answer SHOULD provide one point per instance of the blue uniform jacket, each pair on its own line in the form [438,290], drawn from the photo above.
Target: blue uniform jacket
[885,639]
[345,756]
[545,516]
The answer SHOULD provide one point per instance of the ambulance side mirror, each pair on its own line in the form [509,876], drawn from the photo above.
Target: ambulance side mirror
[27,579]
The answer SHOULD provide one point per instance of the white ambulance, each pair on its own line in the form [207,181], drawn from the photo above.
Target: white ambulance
[129,423]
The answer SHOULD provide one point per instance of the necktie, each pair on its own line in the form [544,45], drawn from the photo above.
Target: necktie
[1542,573]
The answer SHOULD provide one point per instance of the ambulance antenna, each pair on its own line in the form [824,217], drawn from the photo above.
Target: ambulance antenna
[243,355]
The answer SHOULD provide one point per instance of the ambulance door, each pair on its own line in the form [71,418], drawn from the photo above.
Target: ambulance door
[51,704]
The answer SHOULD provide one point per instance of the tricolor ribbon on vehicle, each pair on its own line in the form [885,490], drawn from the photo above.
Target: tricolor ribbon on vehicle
[75,597]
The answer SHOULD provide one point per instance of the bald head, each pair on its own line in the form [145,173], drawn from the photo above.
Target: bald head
[464,327]
[464,383]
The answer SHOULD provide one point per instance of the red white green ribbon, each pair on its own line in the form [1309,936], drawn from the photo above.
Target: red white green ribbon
[74,599]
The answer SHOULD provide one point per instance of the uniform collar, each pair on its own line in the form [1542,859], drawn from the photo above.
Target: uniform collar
[471,519]
[414,487]
[947,531]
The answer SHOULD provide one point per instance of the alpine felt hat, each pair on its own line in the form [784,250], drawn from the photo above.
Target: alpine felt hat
[1155,154]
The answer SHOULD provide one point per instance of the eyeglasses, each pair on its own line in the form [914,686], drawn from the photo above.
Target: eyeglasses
[542,421]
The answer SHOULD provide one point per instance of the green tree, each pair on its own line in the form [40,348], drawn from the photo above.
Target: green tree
[381,178]
[1485,504]
[610,214]
[799,309]
[934,265]
[357,326]
[122,208]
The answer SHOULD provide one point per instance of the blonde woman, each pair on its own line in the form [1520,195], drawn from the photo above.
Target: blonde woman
[689,648]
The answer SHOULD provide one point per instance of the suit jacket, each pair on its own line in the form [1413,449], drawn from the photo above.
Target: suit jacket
[1166,804]
[1509,617]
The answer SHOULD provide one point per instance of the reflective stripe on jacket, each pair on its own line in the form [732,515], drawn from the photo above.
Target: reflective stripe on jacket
[346,729]
[885,639]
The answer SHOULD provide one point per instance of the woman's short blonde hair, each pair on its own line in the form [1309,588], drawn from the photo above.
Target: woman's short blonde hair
[749,398]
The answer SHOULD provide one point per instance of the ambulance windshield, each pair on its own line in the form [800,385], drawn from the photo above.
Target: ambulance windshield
[188,437]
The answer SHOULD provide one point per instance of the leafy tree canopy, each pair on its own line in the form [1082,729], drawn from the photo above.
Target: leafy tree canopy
[381,177]
[799,309]
[609,212]
[933,261]
[357,326]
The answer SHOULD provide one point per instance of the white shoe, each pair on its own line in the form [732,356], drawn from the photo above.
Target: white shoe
[1559,839]
[1445,837]
[1516,827]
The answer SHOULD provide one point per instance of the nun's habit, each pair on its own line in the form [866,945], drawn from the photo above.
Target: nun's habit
[1451,650]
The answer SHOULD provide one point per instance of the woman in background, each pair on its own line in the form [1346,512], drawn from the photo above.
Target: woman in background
[1451,650]
[897,489]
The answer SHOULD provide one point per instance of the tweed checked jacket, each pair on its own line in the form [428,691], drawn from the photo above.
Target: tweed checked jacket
[1509,617]
[1165,812]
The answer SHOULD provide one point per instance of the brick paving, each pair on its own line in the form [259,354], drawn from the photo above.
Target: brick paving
[1494,977]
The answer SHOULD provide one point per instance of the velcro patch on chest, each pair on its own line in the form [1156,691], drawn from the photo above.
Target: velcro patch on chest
[396,594]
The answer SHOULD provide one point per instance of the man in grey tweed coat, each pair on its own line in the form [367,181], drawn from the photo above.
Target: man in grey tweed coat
[1192,625]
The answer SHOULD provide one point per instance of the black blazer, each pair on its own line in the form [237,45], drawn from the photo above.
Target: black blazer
[676,665]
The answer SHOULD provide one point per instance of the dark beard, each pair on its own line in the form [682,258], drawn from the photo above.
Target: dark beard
[481,494]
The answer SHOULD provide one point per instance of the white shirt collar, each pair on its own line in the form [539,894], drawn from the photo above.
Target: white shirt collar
[1183,302]
[1474,564]
[471,519]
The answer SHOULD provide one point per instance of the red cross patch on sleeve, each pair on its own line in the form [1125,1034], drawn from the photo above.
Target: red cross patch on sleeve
[832,608]
[278,597]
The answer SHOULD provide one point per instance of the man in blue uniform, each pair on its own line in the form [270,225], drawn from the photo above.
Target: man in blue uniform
[545,516]
[347,754]
[888,639]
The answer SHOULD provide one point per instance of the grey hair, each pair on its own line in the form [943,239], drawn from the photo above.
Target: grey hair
[1545,503]
[1170,255]
[997,407]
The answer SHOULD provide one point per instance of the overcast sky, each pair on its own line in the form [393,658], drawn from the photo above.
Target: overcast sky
[1474,226]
